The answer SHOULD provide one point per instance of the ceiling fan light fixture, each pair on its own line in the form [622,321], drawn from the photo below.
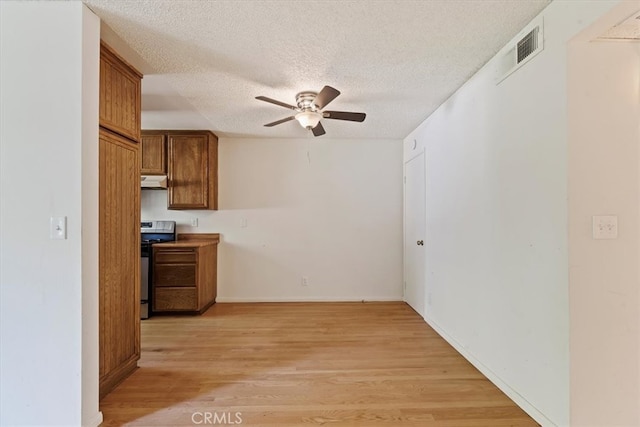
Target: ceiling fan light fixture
[308,119]
[309,110]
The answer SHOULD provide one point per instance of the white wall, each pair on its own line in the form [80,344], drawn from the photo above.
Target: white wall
[324,208]
[604,168]
[496,223]
[48,288]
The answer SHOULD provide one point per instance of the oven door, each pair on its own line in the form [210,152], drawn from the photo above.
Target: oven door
[145,280]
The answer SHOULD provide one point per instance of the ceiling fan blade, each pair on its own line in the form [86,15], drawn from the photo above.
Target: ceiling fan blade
[273,101]
[326,95]
[344,115]
[318,130]
[277,122]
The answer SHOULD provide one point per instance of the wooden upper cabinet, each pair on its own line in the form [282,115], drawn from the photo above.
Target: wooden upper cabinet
[154,156]
[192,170]
[120,95]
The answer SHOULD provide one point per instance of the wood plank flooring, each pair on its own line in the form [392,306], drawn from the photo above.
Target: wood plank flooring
[304,364]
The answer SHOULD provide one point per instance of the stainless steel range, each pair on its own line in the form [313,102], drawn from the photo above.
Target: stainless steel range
[151,232]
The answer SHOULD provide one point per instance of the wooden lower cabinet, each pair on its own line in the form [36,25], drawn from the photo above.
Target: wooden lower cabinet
[173,299]
[119,258]
[184,276]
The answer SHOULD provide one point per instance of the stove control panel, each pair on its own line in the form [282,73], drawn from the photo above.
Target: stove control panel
[157,227]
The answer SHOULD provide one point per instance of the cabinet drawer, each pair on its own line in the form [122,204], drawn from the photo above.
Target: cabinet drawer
[175,299]
[175,257]
[174,275]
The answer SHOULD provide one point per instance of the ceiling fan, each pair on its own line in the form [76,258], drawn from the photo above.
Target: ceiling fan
[309,110]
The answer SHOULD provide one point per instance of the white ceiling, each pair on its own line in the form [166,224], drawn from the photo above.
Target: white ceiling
[395,60]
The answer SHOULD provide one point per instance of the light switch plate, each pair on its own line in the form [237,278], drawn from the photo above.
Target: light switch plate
[58,228]
[605,227]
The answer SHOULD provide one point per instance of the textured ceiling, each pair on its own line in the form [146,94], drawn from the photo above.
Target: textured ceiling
[395,60]
[629,29]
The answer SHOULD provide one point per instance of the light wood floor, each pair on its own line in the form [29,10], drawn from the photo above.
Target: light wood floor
[304,364]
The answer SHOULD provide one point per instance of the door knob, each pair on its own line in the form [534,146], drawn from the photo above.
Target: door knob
[420,242]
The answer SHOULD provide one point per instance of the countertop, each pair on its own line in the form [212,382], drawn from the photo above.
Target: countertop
[185,244]
[191,240]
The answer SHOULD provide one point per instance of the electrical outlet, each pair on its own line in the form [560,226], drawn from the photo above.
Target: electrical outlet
[605,227]
[194,222]
[305,281]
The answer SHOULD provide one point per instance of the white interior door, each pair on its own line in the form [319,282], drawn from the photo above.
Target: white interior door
[414,230]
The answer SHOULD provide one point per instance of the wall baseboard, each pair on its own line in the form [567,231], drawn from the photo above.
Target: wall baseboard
[306,299]
[95,421]
[524,404]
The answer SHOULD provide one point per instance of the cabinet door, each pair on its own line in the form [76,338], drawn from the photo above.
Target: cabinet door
[119,258]
[120,95]
[188,171]
[154,159]
[175,299]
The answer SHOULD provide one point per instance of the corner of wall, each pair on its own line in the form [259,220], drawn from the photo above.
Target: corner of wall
[91,416]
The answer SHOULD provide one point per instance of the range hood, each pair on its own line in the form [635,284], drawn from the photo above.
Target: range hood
[153,181]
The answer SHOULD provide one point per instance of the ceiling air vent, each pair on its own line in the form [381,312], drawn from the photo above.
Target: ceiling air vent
[521,50]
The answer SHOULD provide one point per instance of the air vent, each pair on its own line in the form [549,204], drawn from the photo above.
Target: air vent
[521,50]
[528,44]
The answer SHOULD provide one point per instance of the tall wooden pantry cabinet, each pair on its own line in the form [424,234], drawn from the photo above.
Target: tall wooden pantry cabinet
[119,206]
